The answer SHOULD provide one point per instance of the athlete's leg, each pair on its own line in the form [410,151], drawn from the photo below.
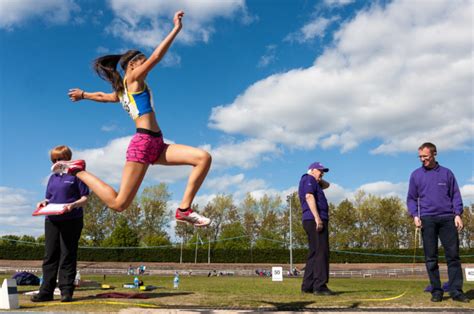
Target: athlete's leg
[176,154]
[132,177]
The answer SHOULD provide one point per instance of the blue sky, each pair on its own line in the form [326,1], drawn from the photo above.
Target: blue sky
[266,86]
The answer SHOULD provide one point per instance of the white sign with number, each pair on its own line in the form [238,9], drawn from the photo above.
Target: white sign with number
[277,273]
[469,274]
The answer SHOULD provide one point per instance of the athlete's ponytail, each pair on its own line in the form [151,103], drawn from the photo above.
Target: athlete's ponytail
[106,68]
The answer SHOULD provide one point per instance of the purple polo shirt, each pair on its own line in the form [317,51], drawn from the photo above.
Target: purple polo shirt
[65,189]
[437,191]
[309,185]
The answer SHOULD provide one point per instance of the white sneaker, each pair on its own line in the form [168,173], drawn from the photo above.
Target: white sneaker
[192,217]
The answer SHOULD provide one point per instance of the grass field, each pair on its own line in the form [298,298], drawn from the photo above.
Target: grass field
[250,292]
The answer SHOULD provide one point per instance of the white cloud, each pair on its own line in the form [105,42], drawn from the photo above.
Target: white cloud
[237,185]
[109,127]
[467,193]
[338,2]
[399,73]
[337,193]
[14,13]
[313,29]
[16,207]
[269,56]
[147,24]
[246,154]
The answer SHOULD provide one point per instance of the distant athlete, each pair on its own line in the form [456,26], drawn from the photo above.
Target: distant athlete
[147,146]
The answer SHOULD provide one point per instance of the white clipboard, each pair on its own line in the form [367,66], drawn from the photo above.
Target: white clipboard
[50,209]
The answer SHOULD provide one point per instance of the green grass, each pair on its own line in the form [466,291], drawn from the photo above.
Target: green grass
[251,292]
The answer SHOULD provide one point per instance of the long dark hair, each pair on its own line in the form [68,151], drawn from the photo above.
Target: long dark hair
[106,68]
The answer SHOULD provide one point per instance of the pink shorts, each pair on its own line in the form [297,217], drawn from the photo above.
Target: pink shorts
[146,146]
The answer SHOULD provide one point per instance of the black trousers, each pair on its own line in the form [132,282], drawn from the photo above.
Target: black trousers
[61,243]
[444,228]
[316,273]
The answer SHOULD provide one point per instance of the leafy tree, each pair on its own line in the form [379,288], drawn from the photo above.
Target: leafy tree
[96,221]
[9,239]
[388,218]
[249,209]
[153,204]
[41,239]
[217,210]
[466,236]
[300,239]
[269,231]
[28,238]
[122,235]
[233,236]
[157,239]
[343,223]
[134,216]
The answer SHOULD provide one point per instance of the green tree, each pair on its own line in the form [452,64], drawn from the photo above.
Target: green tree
[269,231]
[9,239]
[466,236]
[156,239]
[28,238]
[388,219]
[343,223]
[300,239]
[41,239]
[96,221]
[249,209]
[153,204]
[134,216]
[122,235]
[217,210]
[233,236]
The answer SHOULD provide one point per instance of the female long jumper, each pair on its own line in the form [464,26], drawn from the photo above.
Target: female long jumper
[147,146]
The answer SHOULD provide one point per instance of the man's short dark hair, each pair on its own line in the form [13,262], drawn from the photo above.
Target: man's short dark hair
[430,146]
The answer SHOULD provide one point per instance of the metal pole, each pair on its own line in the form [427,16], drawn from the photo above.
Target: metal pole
[181,255]
[291,240]
[209,251]
[196,252]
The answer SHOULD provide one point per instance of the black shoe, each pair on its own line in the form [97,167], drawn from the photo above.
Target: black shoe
[41,298]
[461,298]
[436,297]
[306,291]
[66,298]
[325,292]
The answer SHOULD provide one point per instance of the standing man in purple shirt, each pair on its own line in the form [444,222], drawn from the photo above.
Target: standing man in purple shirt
[62,232]
[315,223]
[435,203]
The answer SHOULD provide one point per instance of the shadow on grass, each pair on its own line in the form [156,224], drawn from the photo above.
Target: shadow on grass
[146,296]
[361,291]
[289,305]
[470,294]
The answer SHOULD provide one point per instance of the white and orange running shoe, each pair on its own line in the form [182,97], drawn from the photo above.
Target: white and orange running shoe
[192,217]
[69,167]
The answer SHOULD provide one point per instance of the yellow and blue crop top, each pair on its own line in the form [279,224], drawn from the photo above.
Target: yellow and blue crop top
[137,104]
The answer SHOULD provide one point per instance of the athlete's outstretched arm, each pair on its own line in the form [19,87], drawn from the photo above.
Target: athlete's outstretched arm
[76,94]
[141,71]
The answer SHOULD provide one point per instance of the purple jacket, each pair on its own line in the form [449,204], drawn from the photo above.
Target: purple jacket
[437,192]
[309,185]
[64,189]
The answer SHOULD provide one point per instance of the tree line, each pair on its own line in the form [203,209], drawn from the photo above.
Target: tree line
[366,222]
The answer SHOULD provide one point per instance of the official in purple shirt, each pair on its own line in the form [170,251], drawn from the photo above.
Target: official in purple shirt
[315,223]
[435,203]
[62,232]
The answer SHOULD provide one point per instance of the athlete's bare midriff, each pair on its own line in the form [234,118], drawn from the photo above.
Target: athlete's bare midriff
[147,121]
